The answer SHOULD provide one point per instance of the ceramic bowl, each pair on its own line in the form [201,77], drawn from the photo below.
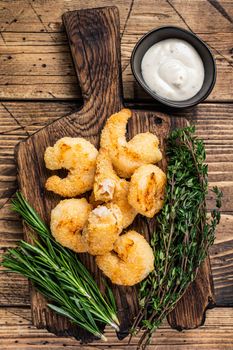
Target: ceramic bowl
[169,32]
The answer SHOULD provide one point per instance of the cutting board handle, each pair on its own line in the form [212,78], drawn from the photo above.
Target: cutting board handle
[94,38]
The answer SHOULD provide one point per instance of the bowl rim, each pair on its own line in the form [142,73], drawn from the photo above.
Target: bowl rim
[170,103]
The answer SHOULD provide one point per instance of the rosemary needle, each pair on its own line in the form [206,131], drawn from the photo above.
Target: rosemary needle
[58,274]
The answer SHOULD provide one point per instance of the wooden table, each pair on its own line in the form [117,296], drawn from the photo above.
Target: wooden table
[38,85]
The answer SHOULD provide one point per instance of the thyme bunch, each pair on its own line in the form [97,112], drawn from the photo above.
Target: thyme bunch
[183,234]
[59,275]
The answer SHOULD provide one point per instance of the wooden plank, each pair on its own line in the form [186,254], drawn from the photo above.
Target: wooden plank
[17,332]
[221,257]
[200,294]
[96,60]
[222,11]
[33,116]
[42,58]
[219,153]
[18,120]
[91,98]
[43,16]
[35,60]
[212,120]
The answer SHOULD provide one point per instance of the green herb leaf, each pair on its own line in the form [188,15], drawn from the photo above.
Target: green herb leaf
[183,232]
[58,274]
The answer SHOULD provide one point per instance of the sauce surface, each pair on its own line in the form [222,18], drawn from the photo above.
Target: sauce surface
[173,69]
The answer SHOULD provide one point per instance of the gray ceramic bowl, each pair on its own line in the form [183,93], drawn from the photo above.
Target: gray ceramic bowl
[168,32]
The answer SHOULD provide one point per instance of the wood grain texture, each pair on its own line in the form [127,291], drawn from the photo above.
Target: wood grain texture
[17,332]
[221,255]
[200,294]
[35,61]
[214,123]
[95,47]
[14,289]
[17,119]
[94,41]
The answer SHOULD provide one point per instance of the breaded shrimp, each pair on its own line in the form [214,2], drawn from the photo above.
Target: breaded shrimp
[78,156]
[121,199]
[131,260]
[104,224]
[146,190]
[67,221]
[105,177]
[109,187]
[126,156]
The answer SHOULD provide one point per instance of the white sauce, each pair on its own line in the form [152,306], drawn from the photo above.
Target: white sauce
[173,69]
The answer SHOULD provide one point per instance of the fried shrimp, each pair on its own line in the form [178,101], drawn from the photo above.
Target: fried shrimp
[78,156]
[67,222]
[146,190]
[131,260]
[109,187]
[104,224]
[105,177]
[121,199]
[126,156]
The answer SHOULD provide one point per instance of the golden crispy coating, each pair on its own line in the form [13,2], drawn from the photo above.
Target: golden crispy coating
[105,177]
[126,156]
[109,187]
[131,260]
[121,199]
[78,156]
[102,229]
[67,221]
[146,190]
[93,202]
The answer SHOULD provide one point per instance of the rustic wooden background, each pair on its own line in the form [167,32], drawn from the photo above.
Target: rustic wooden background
[38,85]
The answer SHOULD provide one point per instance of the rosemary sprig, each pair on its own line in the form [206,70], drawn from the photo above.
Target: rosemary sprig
[58,274]
[183,233]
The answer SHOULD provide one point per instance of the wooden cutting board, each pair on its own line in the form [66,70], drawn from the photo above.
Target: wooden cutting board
[94,38]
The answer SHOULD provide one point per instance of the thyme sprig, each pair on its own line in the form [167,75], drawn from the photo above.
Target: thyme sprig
[59,275]
[183,234]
